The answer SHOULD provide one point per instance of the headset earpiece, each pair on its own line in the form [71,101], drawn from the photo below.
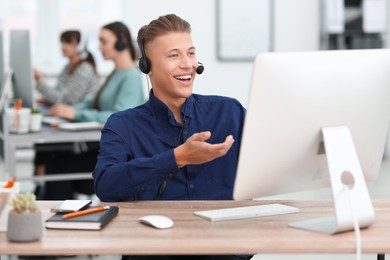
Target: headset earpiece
[200,68]
[120,44]
[84,50]
[144,63]
[84,54]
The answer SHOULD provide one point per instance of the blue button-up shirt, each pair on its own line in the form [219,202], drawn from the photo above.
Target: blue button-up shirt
[136,160]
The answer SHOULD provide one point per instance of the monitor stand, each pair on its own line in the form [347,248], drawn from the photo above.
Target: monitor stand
[342,162]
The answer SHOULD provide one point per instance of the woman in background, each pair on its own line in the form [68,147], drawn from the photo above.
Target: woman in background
[123,89]
[77,80]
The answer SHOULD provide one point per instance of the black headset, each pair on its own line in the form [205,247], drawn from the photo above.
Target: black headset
[120,44]
[84,52]
[145,65]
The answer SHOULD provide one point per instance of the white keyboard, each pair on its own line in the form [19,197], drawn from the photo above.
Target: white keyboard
[246,212]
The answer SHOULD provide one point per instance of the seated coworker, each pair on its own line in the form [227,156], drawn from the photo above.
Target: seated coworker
[178,145]
[77,80]
[122,89]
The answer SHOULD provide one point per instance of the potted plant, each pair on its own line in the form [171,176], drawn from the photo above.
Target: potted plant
[35,120]
[24,220]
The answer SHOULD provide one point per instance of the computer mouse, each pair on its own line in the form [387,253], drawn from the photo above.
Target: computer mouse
[157,221]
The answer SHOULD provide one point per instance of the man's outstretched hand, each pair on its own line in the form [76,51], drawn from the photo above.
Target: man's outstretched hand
[196,150]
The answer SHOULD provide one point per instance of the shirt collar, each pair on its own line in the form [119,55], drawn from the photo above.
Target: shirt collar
[161,108]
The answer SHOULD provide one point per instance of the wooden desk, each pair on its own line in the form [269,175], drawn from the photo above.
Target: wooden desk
[194,235]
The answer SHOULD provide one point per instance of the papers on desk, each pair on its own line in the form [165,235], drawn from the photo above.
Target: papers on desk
[80,126]
[64,124]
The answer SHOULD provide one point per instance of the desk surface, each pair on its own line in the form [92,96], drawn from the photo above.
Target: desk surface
[46,135]
[50,135]
[193,235]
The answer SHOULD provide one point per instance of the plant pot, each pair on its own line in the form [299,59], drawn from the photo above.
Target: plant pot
[24,227]
[35,122]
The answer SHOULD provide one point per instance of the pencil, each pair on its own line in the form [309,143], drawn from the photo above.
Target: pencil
[84,212]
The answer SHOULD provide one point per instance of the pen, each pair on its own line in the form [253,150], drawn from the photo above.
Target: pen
[85,212]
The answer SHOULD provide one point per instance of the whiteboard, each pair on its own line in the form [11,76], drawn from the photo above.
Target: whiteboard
[243,28]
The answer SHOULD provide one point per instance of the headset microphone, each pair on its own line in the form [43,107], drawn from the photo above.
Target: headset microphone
[200,68]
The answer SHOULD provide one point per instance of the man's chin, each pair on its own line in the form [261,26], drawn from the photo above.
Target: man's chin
[187,94]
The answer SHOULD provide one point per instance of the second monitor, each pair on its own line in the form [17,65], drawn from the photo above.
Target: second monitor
[20,63]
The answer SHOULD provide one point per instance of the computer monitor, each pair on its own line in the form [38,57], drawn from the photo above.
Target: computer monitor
[298,99]
[2,66]
[5,79]
[20,62]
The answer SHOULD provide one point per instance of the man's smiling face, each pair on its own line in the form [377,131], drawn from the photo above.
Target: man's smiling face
[174,64]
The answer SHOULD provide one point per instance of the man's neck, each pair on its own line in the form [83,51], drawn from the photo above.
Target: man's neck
[176,110]
[175,105]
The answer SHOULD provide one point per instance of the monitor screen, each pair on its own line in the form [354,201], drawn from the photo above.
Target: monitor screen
[2,68]
[20,63]
[293,97]
[5,79]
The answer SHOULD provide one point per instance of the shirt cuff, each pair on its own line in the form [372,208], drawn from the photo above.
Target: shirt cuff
[77,115]
[166,162]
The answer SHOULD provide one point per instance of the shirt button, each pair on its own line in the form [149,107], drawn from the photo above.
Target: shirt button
[192,186]
[171,175]
[185,132]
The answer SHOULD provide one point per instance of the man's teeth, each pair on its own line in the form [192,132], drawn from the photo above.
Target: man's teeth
[183,77]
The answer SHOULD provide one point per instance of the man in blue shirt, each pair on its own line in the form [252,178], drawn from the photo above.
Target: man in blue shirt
[178,145]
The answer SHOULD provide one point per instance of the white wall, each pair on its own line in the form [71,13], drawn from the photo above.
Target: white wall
[387,36]
[296,25]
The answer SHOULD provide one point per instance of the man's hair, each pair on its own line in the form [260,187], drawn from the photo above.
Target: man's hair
[163,25]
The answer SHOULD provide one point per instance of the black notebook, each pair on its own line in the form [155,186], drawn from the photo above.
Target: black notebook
[94,221]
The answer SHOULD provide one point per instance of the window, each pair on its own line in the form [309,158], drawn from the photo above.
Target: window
[88,16]
[18,14]
[46,19]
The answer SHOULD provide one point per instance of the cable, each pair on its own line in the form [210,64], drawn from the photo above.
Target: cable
[355,225]
[147,81]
